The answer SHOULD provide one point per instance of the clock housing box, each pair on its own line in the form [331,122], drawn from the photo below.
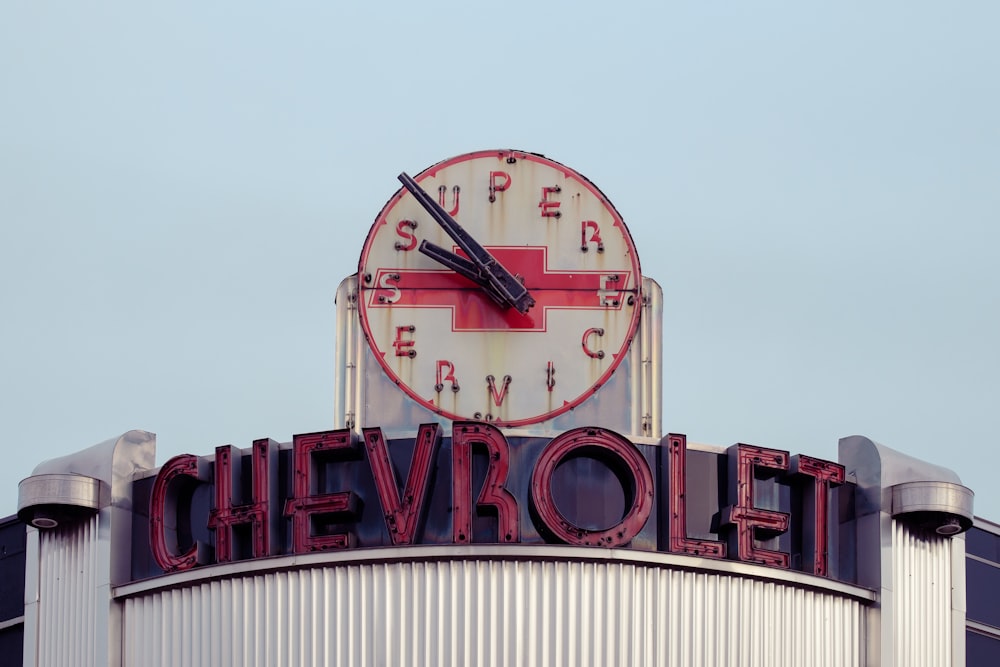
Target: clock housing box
[431,327]
[629,403]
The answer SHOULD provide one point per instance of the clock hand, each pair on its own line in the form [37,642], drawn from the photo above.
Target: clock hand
[502,286]
[462,267]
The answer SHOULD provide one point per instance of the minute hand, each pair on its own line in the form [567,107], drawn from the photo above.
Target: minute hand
[498,282]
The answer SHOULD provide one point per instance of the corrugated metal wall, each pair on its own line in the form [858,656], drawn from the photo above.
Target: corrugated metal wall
[68,618]
[922,597]
[492,612]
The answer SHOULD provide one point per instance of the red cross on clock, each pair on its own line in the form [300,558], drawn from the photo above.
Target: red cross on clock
[500,286]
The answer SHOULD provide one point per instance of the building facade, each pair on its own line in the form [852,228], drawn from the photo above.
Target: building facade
[497,488]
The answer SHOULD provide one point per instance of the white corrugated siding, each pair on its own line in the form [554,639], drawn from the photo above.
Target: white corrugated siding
[492,612]
[67,612]
[922,597]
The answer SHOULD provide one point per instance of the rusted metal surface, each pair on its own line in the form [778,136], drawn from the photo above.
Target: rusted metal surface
[304,505]
[493,493]
[231,510]
[750,521]
[680,542]
[629,402]
[447,332]
[825,475]
[184,469]
[402,514]
[621,456]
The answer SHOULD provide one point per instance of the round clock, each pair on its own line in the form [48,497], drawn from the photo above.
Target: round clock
[499,286]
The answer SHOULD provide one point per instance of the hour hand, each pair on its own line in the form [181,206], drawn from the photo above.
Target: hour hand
[502,286]
[462,267]
[456,263]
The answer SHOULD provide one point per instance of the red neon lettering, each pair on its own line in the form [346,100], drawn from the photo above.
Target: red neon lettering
[388,288]
[607,295]
[493,494]
[825,475]
[441,375]
[619,454]
[496,186]
[550,209]
[181,474]
[498,396]
[593,331]
[402,516]
[411,239]
[594,238]
[444,289]
[442,189]
[404,347]
[306,503]
[228,513]
[679,542]
[744,461]
[321,520]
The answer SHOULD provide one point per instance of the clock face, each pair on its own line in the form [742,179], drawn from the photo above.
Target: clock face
[456,343]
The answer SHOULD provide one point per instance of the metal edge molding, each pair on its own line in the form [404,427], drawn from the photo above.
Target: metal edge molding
[944,507]
[46,500]
[495,552]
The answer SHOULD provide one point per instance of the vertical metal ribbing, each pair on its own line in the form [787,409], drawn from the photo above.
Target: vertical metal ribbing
[68,595]
[922,597]
[492,613]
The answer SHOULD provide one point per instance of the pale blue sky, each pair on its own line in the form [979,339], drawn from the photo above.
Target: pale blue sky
[814,186]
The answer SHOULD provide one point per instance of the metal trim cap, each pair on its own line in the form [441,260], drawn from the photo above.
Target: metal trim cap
[47,500]
[944,507]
